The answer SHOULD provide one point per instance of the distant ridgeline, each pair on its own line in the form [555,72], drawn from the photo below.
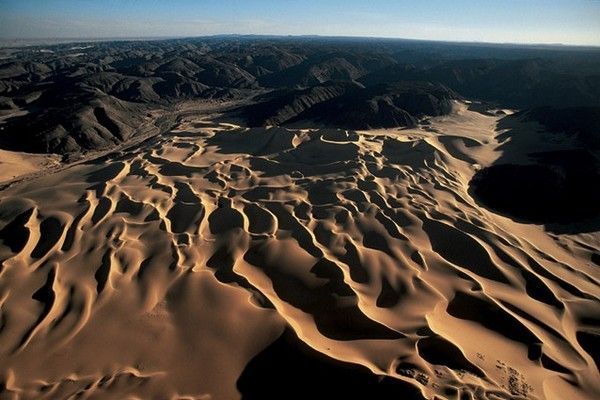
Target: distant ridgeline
[70,98]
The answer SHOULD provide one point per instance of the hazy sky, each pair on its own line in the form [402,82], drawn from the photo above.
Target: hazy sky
[527,21]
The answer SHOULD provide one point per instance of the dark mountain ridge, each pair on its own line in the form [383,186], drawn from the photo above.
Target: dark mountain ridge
[357,83]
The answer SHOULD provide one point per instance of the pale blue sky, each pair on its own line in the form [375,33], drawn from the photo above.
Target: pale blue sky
[516,21]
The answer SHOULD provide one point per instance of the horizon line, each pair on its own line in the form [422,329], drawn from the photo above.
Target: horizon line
[67,40]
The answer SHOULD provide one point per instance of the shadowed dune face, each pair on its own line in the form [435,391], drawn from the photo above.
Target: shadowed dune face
[308,374]
[539,193]
[547,175]
[170,270]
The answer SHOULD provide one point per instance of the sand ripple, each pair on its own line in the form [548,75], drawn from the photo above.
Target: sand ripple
[162,270]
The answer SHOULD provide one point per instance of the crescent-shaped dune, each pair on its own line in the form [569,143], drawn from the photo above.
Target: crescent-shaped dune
[234,262]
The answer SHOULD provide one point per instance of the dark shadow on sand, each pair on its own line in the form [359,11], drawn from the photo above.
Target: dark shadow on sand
[290,369]
[559,189]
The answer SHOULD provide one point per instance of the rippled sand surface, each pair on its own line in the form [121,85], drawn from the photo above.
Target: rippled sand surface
[164,270]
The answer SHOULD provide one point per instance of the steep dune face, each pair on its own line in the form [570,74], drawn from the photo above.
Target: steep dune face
[170,270]
[549,171]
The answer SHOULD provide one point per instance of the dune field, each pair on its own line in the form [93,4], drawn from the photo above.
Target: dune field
[174,268]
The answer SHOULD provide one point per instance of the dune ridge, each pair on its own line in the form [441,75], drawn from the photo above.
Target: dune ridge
[162,270]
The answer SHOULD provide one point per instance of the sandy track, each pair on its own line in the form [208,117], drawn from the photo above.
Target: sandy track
[161,271]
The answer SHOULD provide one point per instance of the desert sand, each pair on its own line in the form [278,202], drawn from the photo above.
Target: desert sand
[15,164]
[162,270]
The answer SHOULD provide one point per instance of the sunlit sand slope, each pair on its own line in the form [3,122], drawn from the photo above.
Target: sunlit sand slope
[161,271]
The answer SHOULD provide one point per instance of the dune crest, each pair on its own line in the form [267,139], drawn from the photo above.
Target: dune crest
[164,269]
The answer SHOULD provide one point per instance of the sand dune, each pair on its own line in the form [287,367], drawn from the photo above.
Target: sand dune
[170,269]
